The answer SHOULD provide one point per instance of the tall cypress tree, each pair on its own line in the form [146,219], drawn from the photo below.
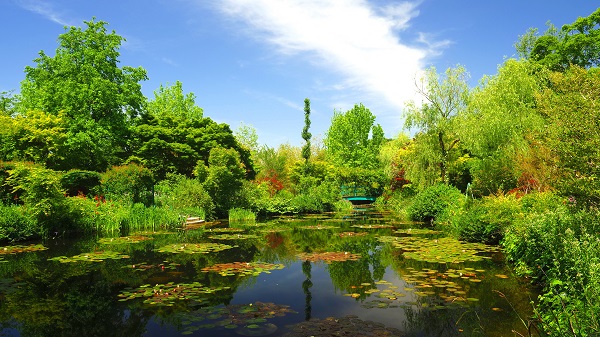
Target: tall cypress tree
[305,134]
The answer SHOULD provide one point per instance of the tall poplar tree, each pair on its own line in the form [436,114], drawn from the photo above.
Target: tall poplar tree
[305,134]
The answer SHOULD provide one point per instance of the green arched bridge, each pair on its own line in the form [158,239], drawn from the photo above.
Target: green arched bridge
[357,194]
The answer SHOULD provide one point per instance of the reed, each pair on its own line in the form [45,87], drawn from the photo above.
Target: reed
[241,215]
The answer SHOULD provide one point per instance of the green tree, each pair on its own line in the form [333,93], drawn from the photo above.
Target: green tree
[353,140]
[225,179]
[305,134]
[577,43]
[571,107]
[445,96]
[246,136]
[173,135]
[83,81]
[498,126]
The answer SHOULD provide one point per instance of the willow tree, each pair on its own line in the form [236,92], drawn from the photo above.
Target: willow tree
[444,96]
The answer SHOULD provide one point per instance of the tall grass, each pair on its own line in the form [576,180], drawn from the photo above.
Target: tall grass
[241,215]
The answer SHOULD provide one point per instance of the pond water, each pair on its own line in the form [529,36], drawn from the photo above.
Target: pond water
[362,274]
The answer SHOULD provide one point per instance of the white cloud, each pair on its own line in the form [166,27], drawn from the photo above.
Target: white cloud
[354,38]
[46,10]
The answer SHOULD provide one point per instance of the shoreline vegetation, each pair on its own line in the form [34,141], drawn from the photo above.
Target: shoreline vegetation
[512,162]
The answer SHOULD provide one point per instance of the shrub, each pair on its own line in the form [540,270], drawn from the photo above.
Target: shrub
[77,182]
[129,184]
[16,224]
[185,195]
[42,195]
[436,202]
[486,220]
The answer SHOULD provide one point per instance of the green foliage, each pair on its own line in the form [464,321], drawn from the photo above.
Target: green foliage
[487,219]
[577,44]
[240,214]
[435,202]
[558,246]
[35,136]
[445,98]
[353,140]
[80,182]
[128,184]
[173,136]
[41,192]
[225,179]
[7,194]
[571,108]
[16,224]
[305,134]
[186,195]
[497,126]
[83,82]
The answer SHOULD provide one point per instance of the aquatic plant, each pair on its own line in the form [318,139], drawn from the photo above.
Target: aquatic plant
[329,257]
[242,268]
[124,240]
[98,256]
[241,215]
[169,293]
[193,248]
[15,249]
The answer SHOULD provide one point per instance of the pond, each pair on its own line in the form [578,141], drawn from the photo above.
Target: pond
[364,273]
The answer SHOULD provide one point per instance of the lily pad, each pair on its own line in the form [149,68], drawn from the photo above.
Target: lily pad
[372,226]
[168,294]
[329,257]
[194,248]
[124,240]
[319,227]
[98,256]
[234,237]
[351,234]
[242,268]
[21,249]
[439,250]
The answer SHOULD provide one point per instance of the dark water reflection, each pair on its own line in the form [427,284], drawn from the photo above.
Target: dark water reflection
[42,297]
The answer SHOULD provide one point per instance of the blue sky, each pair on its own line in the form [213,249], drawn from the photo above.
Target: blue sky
[254,61]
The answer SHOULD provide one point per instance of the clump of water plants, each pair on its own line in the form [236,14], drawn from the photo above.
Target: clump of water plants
[234,237]
[124,240]
[242,268]
[98,256]
[194,248]
[417,231]
[143,266]
[319,226]
[329,257]
[351,234]
[21,249]
[168,294]
[439,250]
[372,226]
[248,319]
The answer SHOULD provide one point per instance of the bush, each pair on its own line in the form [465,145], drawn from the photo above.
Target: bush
[77,182]
[42,195]
[486,220]
[16,224]
[129,184]
[436,202]
[185,195]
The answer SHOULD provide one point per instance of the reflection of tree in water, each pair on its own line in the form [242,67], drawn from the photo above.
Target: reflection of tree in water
[306,285]
[78,305]
[368,269]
